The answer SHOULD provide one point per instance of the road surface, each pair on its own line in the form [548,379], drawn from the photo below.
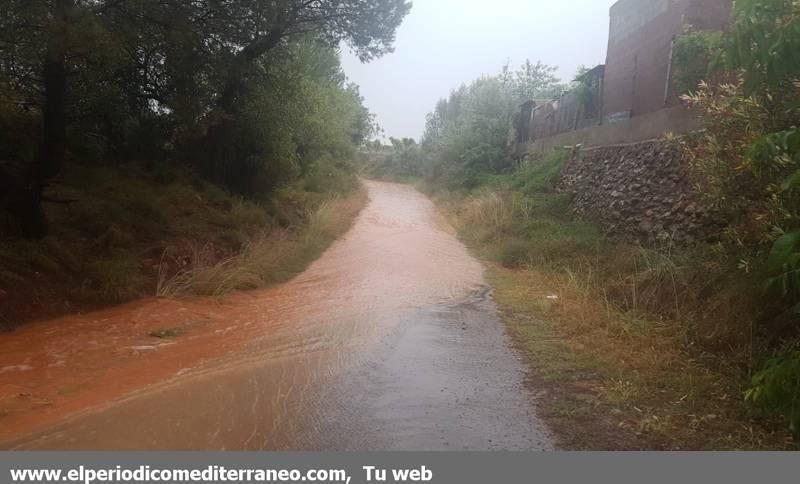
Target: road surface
[390,341]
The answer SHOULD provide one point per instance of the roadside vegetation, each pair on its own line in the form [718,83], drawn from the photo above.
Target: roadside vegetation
[175,148]
[630,347]
[273,255]
[646,346]
[132,234]
[398,161]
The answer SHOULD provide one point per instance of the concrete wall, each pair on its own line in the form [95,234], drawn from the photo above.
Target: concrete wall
[576,109]
[676,120]
[711,15]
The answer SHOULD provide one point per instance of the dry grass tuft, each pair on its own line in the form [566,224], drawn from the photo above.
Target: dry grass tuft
[268,257]
[629,382]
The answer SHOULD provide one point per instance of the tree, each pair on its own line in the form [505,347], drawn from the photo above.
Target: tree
[367,26]
[49,54]
[54,112]
[150,79]
[764,42]
[535,82]
[466,135]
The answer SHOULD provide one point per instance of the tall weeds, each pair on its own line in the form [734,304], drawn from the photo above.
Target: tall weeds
[270,257]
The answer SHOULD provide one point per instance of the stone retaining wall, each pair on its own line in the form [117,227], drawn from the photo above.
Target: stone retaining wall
[641,191]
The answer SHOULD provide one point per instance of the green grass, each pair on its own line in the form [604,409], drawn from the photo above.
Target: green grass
[520,219]
[539,176]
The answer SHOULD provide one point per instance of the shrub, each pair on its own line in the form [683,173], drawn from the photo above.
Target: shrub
[736,171]
[692,56]
[777,387]
[512,252]
[117,276]
[540,176]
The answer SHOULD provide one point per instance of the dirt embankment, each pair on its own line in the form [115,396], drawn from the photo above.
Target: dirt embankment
[126,232]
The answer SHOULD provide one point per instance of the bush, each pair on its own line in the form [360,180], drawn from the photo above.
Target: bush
[540,176]
[776,387]
[117,276]
[692,56]
[512,252]
[749,162]
[738,177]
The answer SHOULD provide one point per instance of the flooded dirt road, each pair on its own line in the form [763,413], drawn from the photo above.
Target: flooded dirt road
[389,341]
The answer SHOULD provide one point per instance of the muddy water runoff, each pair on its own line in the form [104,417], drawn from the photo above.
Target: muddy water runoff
[389,341]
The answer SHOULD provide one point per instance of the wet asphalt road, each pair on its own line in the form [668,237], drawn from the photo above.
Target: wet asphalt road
[390,341]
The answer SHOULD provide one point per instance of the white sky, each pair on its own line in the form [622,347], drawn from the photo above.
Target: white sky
[445,43]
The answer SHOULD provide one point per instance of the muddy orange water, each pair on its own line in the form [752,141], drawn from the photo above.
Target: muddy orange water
[389,341]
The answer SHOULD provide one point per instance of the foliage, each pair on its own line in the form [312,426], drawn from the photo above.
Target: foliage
[129,126]
[764,42]
[466,136]
[748,162]
[521,221]
[692,57]
[299,110]
[211,82]
[777,387]
[784,264]
[763,45]
[540,176]
[532,81]
[402,159]
[739,187]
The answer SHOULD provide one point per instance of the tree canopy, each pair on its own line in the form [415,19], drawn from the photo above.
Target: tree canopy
[467,133]
[248,91]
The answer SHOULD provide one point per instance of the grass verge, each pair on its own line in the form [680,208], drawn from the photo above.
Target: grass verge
[629,347]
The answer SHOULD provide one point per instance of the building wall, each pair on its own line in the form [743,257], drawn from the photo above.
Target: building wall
[573,110]
[677,120]
[640,50]
[634,98]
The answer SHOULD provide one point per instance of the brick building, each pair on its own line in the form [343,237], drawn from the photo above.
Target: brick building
[642,33]
[631,97]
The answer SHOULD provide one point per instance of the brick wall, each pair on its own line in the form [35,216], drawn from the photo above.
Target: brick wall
[633,97]
[640,49]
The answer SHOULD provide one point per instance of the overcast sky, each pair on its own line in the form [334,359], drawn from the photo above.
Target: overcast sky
[445,43]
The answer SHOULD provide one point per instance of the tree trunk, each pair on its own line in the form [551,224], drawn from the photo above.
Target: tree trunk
[50,158]
[237,76]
